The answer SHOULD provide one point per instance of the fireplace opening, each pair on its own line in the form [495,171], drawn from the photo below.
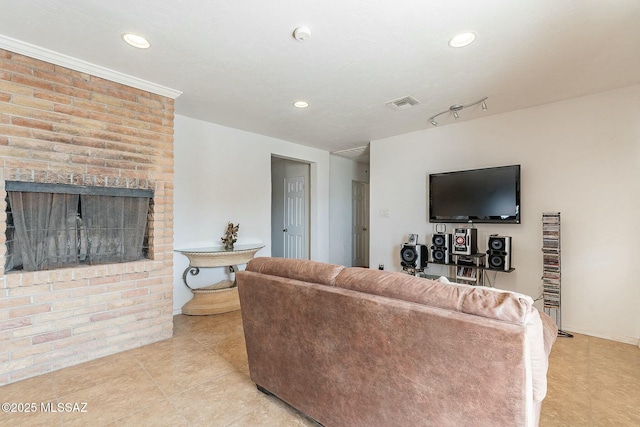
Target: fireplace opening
[52,226]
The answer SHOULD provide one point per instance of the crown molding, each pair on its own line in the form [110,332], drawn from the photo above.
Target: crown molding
[56,58]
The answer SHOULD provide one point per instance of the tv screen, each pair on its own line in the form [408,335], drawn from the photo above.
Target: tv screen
[490,195]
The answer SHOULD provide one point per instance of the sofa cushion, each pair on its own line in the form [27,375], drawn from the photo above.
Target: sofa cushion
[480,301]
[298,269]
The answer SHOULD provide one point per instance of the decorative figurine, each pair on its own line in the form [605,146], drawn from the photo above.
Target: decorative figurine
[230,236]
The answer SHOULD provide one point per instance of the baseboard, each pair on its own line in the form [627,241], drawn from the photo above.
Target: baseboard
[619,338]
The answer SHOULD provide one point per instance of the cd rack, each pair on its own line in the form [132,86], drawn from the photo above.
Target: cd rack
[551,269]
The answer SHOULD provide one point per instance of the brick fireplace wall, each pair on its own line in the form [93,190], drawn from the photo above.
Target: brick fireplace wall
[62,126]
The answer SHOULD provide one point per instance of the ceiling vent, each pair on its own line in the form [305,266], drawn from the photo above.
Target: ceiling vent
[402,103]
[358,154]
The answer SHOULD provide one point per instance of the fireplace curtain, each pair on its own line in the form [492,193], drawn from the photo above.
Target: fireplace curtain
[53,230]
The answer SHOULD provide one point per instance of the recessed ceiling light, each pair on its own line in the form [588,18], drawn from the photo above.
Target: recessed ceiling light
[462,39]
[301,104]
[136,40]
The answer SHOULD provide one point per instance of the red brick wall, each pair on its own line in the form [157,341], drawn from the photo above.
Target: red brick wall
[62,126]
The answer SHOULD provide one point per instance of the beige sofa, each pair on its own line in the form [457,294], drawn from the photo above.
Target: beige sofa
[358,347]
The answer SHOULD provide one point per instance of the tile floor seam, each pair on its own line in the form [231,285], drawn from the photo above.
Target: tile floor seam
[168,400]
[203,382]
[151,377]
[261,407]
[263,400]
[176,410]
[99,385]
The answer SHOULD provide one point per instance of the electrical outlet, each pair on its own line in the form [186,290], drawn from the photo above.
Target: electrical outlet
[384,213]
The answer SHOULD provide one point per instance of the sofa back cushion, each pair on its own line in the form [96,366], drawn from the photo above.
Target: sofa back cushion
[298,269]
[480,301]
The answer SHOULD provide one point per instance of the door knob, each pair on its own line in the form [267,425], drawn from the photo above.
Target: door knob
[364,228]
[285,230]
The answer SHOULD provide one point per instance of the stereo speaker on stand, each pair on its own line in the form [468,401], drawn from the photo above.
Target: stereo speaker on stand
[414,256]
[499,253]
[441,247]
[464,241]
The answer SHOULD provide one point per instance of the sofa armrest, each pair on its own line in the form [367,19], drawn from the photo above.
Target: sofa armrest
[542,333]
[550,332]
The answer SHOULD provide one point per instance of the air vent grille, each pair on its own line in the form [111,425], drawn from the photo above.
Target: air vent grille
[402,103]
[358,154]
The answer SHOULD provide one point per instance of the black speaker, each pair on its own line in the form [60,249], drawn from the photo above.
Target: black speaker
[499,253]
[464,241]
[414,256]
[441,248]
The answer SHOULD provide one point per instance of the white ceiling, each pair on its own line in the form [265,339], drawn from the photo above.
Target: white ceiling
[238,65]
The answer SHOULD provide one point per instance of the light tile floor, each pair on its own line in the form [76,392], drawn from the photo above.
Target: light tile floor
[200,378]
[592,382]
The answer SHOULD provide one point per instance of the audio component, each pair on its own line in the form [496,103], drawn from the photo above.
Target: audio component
[464,241]
[441,248]
[467,260]
[413,257]
[499,252]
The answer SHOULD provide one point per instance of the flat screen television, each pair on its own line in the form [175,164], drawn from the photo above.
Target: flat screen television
[490,195]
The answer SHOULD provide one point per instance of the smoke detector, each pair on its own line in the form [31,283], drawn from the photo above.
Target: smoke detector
[302,33]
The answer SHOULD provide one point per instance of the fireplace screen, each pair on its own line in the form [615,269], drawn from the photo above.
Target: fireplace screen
[54,226]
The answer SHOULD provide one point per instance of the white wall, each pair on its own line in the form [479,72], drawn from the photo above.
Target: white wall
[224,174]
[580,157]
[343,173]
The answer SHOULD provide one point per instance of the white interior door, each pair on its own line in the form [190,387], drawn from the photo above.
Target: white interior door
[360,224]
[290,176]
[294,218]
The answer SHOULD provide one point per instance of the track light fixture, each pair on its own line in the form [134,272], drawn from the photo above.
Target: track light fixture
[457,107]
